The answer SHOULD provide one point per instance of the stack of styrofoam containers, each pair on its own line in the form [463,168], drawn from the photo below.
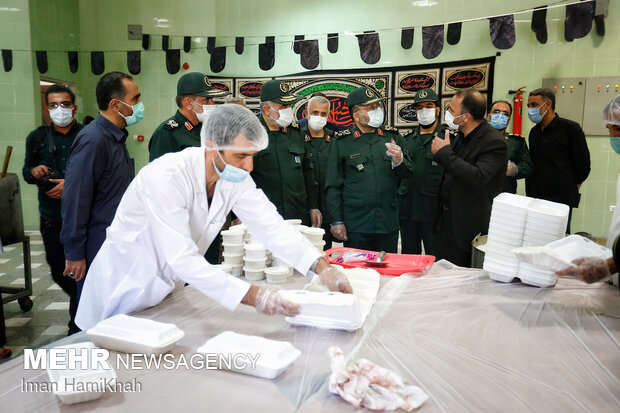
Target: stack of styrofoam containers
[276,275]
[315,236]
[546,222]
[506,228]
[233,251]
[518,221]
[255,262]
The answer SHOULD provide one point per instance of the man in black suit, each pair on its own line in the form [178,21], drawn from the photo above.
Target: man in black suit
[474,167]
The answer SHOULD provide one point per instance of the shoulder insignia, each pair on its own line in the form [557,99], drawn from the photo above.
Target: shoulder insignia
[356,134]
[515,135]
[307,138]
[294,125]
[390,129]
[407,133]
[328,138]
[379,132]
[188,126]
[171,124]
[341,134]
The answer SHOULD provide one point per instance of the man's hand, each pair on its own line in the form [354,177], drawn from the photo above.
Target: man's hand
[39,171]
[511,169]
[339,231]
[395,152]
[56,192]
[316,217]
[266,300]
[589,270]
[439,143]
[75,269]
[335,280]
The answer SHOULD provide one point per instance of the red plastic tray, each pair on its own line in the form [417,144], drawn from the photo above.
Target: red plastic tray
[396,264]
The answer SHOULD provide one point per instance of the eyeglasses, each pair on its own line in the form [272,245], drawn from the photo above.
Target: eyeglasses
[496,111]
[65,104]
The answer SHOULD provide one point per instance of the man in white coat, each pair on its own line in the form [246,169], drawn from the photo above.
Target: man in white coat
[171,213]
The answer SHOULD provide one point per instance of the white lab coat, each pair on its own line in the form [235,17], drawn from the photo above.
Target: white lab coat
[614,228]
[161,231]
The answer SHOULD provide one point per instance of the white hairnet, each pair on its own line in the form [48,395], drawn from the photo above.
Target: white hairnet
[227,121]
[611,113]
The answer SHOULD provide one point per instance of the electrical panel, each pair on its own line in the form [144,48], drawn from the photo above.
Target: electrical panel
[583,99]
[570,93]
[599,91]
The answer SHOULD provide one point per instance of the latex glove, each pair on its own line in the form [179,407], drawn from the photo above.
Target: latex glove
[512,169]
[339,231]
[335,280]
[394,151]
[588,270]
[316,218]
[268,301]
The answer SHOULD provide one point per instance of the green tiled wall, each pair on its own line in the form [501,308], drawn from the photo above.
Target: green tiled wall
[101,25]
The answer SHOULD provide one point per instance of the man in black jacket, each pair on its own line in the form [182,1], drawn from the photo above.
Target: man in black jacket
[474,167]
[559,151]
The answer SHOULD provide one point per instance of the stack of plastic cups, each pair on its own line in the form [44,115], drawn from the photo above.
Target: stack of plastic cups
[233,251]
[546,222]
[506,228]
[255,261]
[315,236]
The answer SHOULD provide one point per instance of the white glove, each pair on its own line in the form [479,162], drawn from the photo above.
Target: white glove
[268,301]
[588,270]
[335,280]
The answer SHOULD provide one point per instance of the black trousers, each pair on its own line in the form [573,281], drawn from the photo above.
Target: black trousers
[448,248]
[413,233]
[2,326]
[55,257]
[373,242]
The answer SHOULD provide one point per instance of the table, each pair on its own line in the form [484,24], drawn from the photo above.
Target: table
[472,344]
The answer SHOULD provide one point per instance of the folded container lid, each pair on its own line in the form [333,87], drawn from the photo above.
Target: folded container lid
[325,307]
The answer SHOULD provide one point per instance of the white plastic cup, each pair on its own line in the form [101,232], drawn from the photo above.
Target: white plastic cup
[233,248]
[255,251]
[231,236]
[253,274]
[276,275]
[237,270]
[255,263]
[233,259]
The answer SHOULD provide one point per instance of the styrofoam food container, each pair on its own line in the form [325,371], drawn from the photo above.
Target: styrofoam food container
[253,274]
[512,201]
[255,251]
[231,236]
[255,263]
[314,235]
[276,275]
[90,378]
[233,248]
[325,309]
[275,356]
[237,270]
[558,255]
[135,335]
[233,259]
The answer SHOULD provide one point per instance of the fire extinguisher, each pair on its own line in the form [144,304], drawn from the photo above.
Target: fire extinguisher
[518,107]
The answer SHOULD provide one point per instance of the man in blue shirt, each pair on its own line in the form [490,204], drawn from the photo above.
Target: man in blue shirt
[98,172]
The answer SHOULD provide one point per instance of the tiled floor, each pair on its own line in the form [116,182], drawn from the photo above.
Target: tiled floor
[47,320]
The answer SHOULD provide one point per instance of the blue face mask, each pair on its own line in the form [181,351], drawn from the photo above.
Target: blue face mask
[615,143]
[534,113]
[136,116]
[230,173]
[498,121]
